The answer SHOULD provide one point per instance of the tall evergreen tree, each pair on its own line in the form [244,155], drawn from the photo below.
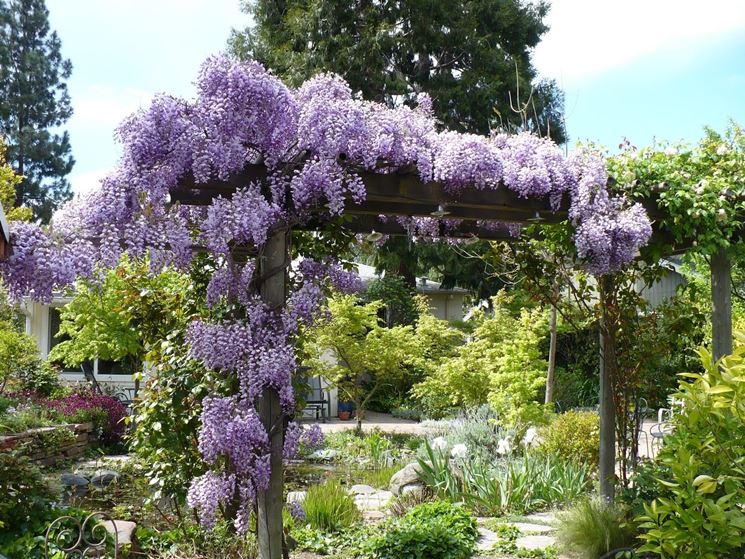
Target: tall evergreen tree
[34,103]
[471,56]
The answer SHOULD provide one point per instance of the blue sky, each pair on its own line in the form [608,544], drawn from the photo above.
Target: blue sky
[641,69]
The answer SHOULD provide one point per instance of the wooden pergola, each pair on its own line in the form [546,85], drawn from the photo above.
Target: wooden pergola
[404,194]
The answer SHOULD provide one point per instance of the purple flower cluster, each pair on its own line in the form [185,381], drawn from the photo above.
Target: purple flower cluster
[310,438]
[314,143]
[297,512]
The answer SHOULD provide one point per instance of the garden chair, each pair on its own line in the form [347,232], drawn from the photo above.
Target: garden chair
[87,368]
[317,399]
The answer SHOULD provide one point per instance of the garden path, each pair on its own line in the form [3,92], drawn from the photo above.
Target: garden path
[375,421]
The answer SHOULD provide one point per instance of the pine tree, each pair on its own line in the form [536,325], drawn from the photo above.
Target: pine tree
[471,56]
[34,103]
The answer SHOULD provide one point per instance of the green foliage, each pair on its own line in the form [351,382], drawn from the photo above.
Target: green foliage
[329,507]
[592,528]
[516,484]
[125,315]
[501,365]
[699,511]
[356,353]
[168,417]
[472,58]
[9,181]
[24,494]
[19,356]
[436,530]
[34,104]
[574,436]
[400,308]
[189,540]
[699,189]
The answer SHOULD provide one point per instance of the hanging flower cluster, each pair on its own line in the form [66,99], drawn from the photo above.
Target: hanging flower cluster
[295,154]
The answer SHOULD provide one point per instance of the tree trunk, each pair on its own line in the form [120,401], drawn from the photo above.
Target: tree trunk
[721,303]
[608,368]
[552,346]
[273,268]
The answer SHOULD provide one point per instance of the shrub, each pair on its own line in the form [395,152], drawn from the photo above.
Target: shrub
[24,495]
[43,380]
[437,530]
[329,507]
[105,412]
[592,528]
[700,509]
[575,436]
[19,355]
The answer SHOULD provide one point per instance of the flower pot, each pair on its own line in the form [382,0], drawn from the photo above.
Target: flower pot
[345,415]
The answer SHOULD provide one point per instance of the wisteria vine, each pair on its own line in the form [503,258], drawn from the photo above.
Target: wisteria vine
[313,143]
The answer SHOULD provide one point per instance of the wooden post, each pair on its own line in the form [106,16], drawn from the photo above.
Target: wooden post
[607,463]
[721,303]
[273,270]
[552,346]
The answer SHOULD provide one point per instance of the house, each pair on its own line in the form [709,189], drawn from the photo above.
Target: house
[43,323]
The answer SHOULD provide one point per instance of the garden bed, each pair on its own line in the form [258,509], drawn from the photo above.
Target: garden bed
[49,445]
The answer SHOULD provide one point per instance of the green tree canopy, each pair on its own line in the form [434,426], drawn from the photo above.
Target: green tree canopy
[472,57]
[354,351]
[34,103]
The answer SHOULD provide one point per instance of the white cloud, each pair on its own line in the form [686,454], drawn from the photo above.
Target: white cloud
[103,106]
[589,37]
[87,181]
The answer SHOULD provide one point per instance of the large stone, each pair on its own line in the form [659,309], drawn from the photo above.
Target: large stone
[324,454]
[527,528]
[406,476]
[373,516]
[74,485]
[535,542]
[373,501]
[124,530]
[412,488]
[104,478]
[360,489]
[487,539]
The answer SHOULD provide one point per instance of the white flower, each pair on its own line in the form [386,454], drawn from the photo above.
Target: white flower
[504,447]
[439,443]
[722,149]
[459,451]
[670,150]
[530,436]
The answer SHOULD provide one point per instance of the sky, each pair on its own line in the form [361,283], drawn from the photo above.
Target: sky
[646,70]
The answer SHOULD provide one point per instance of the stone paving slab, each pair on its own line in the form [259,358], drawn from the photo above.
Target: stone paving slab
[540,541]
[529,528]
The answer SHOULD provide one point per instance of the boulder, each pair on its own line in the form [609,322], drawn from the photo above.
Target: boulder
[360,489]
[124,530]
[73,484]
[416,487]
[407,476]
[104,478]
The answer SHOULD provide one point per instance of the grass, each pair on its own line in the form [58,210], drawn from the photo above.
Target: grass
[592,528]
[379,478]
[329,507]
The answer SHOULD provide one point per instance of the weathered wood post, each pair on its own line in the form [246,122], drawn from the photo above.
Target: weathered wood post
[273,271]
[552,345]
[721,303]
[608,364]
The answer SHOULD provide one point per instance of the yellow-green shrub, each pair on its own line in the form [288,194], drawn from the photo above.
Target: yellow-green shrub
[574,435]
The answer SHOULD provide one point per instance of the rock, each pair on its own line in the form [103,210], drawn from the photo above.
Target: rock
[104,478]
[487,539]
[360,489]
[406,476]
[374,501]
[412,488]
[535,542]
[527,528]
[295,496]
[324,454]
[547,518]
[373,515]
[76,485]
[124,530]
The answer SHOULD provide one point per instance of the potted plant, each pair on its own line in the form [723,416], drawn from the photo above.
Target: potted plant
[345,410]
